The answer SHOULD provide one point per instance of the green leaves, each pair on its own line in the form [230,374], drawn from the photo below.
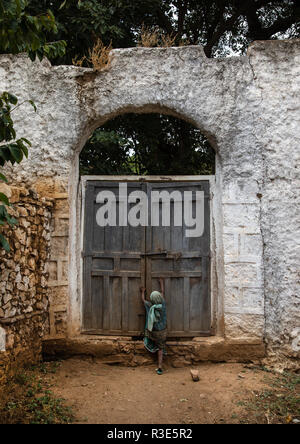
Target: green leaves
[13,152]
[5,218]
[147,144]
[22,32]
[7,131]
[33,105]
[3,178]
[4,199]
[11,98]
[63,4]
[4,242]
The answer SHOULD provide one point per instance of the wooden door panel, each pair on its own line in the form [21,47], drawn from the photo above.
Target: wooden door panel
[118,260]
[185,267]
[114,270]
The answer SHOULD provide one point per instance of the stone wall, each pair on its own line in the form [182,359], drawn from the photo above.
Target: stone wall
[58,263]
[248,109]
[24,297]
[278,131]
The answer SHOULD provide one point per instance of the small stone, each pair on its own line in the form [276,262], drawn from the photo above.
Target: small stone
[195,375]
[7,297]
[10,341]
[2,339]
[23,212]
[39,306]
[28,310]
[6,190]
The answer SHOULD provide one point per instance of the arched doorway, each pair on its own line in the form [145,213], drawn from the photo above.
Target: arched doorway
[153,169]
[147,144]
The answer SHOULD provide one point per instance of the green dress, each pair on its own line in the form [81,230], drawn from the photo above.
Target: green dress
[155,340]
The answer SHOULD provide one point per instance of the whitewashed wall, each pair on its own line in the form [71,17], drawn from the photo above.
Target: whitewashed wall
[248,107]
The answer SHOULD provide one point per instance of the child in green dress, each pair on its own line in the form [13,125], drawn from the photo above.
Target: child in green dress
[156,323]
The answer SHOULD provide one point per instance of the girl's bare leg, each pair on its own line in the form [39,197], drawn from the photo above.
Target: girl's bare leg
[160,358]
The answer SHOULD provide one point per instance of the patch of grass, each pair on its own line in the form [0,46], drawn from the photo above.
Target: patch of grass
[26,399]
[280,403]
[47,367]
[149,38]
[154,37]
[99,57]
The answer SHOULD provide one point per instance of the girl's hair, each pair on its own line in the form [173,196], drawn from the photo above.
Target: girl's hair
[156,298]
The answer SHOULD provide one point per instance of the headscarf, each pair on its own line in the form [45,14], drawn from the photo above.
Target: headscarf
[157,300]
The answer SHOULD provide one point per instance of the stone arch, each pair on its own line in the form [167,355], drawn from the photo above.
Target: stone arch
[75,272]
[181,81]
[150,108]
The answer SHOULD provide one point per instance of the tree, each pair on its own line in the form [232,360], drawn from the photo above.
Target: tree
[81,22]
[126,145]
[23,32]
[20,32]
[106,153]
[221,26]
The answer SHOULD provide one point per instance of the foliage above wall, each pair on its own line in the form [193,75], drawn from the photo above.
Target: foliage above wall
[150,144]
[221,26]
[23,32]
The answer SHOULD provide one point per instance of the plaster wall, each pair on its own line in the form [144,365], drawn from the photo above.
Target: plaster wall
[248,107]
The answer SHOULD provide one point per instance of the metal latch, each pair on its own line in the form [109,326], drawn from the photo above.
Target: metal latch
[166,254]
[155,253]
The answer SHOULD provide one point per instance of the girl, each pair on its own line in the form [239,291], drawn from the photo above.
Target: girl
[156,323]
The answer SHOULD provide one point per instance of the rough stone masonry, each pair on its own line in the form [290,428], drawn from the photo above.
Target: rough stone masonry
[249,109]
[24,298]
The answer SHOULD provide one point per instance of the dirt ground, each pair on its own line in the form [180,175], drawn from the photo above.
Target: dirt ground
[103,394]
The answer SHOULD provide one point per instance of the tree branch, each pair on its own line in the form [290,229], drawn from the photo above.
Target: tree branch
[280,25]
[182,7]
[165,23]
[258,32]
[224,26]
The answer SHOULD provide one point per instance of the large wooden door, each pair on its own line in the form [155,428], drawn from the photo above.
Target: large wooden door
[118,260]
[113,269]
[184,263]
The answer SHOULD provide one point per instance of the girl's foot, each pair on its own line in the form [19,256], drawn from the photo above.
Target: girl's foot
[159,371]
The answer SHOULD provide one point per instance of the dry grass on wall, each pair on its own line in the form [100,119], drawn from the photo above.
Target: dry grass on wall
[155,38]
[149,38]
[99,57]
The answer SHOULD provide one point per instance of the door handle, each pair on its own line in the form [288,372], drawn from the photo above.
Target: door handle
[166,254]
[158,253]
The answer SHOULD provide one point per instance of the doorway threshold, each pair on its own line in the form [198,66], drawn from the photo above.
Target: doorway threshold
[129,352]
